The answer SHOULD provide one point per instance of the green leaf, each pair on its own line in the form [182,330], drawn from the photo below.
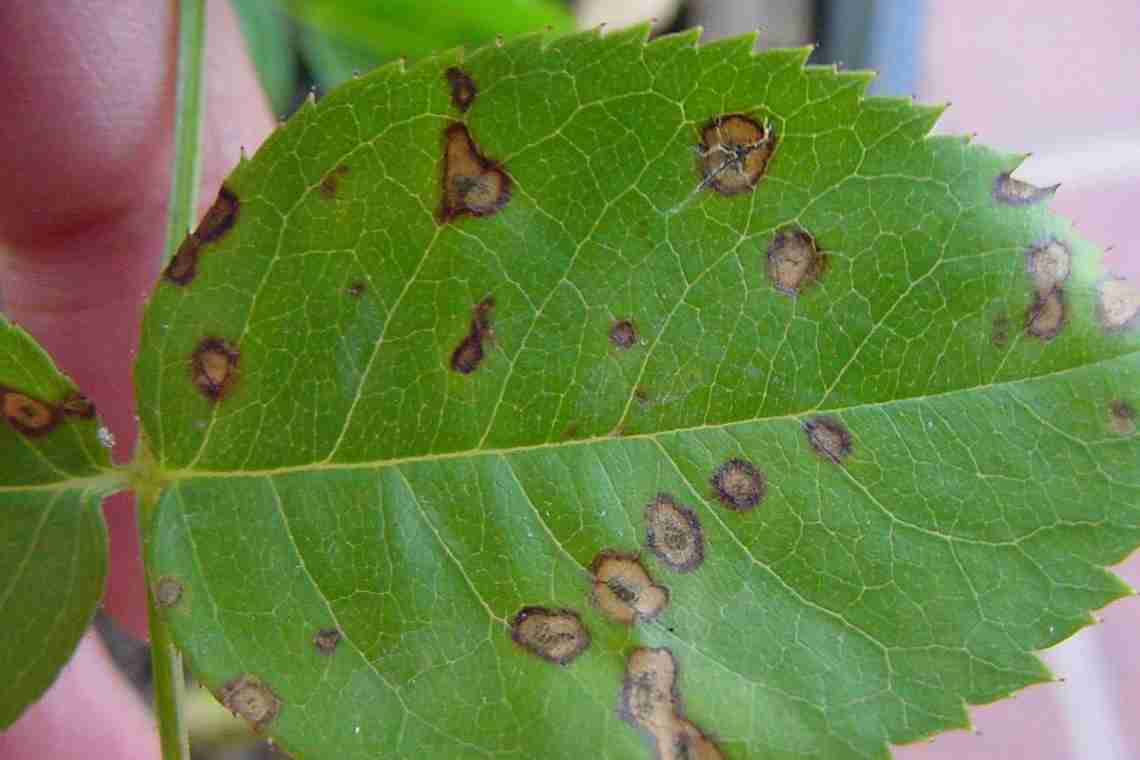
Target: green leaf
[403,401]
[268,38]
[53,541]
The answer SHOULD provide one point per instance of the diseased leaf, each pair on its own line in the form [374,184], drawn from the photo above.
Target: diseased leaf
[53,541]
[570,397]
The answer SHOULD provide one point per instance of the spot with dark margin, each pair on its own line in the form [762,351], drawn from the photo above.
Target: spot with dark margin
[77,405]
[217,221]
[828,438]
[556,636]
[650,701]
[468,355]
[214,367]
[623,590]
[356,288]
[673,534]
[733,153]
[794,260]
[1046,315]
[623,334]
[738,485]
[326,639]
[330,183]
[641,395]
[1014,192]
[463,89]
[1049,266]
[167,591]
[26,414]
[1119,306]
[472,184]
[1121,417]
[248,697]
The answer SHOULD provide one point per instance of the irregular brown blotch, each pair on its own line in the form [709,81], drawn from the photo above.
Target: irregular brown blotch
[330,183]
[326,639]
[733,153]
[472,183]
[794,260]
[1014,192]
[641,395]
[690,743]
[623,590]
[623,334]
[248,697]
[738,485]
[556,636]
[828,438]
[651,702]
[217,221]
[1119,304]
[28,415]
[463,89]
[999,330]
[1046,315]
[356,288]
[1121,417]
[77,405]
[214,366]
[673,533]
[467,356]
[1049,266]
[167,591]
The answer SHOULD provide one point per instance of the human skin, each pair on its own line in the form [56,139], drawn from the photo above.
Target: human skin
[85,153]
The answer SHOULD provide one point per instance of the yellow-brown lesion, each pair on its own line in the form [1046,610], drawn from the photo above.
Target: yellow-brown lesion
[463,89]
[214,366]
[27,414]
[217,222]
[623,590]
[472,184]
[557,636]
[650,701]
[673,533]
[794,260]
[733,153]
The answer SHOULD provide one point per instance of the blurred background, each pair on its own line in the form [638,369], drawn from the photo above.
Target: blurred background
[1053,78]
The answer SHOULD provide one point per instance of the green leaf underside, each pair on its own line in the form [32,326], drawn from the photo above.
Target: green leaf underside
[53,542]
[349,478]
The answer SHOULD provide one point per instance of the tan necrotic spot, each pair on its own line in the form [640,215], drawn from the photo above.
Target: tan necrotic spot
[330,183]
[1119,304]
[463,89]
[733,153]
[214,367]
[1014,192]
[326,639]
[828,438]
[167,591]
[472,183]
[468,355]
[248,697]
[1121,417]
[217,221]
[738,485]
[27,415]
[673,534]
[356,288]
[689,743]
[1046,315]
[623,590]
[556,636]
[651,702]
[623,334]
[77,405]
[794,260]
[1049,266]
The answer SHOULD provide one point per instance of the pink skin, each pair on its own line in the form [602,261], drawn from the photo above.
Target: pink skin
[85,150]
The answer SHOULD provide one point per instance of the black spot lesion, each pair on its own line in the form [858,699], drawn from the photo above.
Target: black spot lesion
[469,354]
[739,485]
[555,635]
[673,533]
[214,225]
[463,89]
[326,639]
[829,438]
[623,334]
[733,153]
[214,367]
[330,183]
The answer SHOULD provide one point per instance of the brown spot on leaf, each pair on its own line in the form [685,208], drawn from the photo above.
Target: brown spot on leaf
[463,89]
[733,153]
[1046,315]
[214,366]
[999,330]
[673,533]
[167,591]
[641,395]
[217,221]
[623,334]
[330,183]
[651,702]
[623,590]
[356,288]
[1014,192]
[1049,266]
[690,743]
[1119,304]
[326,639]
[77,405]
[557,636]
[467,356]
[28,415]
[472,183]
[739,485]
[794,260]
[248,697]
[828,438]
[1121,417]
